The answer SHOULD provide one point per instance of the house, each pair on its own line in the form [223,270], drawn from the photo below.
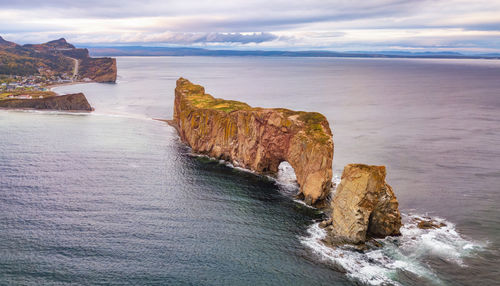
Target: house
[23,96]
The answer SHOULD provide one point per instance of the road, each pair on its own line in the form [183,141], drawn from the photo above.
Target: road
[75,69]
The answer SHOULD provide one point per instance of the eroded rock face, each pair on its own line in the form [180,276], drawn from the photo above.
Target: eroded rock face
[70,102]
[258,139]
[98,69]
[364,206]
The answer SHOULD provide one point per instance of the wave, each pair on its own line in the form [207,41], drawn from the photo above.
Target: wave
[406,253]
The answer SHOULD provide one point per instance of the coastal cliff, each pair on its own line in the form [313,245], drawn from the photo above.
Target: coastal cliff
[98,69]
[258,139]
[70,102]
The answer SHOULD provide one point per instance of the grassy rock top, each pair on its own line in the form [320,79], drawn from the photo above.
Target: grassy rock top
[313,123]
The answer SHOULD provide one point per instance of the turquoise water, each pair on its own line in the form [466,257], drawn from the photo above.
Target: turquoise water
[114,197]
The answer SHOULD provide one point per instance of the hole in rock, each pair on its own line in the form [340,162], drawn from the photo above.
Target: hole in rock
[286,177]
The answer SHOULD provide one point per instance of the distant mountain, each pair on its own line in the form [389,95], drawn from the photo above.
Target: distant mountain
[54,58]
[183,51]
[59,45]
[412,54]
[490,55]
[6,44]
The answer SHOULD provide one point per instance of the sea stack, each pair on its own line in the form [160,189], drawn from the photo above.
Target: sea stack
[258,139]
[364,206]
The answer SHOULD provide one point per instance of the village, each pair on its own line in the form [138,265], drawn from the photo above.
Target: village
[32,86]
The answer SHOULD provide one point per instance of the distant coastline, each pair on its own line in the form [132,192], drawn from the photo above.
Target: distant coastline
[183,51]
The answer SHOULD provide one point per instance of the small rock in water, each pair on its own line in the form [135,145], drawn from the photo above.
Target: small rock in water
[429,224]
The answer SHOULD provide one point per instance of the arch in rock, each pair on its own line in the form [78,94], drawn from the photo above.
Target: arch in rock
[258,139]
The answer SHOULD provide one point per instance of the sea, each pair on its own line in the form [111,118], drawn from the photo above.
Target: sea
[113,197]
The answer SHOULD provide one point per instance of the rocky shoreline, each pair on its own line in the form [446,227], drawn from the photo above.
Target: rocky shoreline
[68,102]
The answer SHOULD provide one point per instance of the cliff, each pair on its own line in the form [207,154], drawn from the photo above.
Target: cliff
[363,206]
[71,102]
[258,139]
[98,69]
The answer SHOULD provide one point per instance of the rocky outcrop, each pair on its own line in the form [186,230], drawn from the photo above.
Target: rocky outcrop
[428,223]
[364,206]
[258,139]
[98,69]
[70,102]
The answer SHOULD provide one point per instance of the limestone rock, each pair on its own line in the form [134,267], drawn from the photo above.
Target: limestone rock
[258,139]
[70,102]
[364,206]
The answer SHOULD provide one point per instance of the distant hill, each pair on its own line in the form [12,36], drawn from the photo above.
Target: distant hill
[183,51]
[54,58]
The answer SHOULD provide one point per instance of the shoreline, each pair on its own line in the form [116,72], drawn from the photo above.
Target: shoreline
[52,86]
[76,111]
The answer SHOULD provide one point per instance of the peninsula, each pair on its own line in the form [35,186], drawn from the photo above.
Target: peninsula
[27,72]
[68,102]
[53,62]
[256,138]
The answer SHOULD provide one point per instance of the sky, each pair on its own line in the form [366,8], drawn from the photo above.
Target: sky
[336,25]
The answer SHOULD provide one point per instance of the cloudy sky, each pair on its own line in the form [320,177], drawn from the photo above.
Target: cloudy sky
[339,25]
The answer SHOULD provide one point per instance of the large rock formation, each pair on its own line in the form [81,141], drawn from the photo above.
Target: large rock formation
[73,102]
[364,206]
[258,139]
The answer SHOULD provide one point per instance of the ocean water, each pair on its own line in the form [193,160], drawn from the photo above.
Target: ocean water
[114,197]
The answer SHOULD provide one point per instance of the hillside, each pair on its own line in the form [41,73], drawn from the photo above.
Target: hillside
[54,58]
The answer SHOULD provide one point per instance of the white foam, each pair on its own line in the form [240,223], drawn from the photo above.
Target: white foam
[286,180]
[380,265]
[336,179]
[304,204]
[445,242]
[232,165]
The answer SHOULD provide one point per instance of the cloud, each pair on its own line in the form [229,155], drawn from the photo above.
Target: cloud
[286,24]
[191,38]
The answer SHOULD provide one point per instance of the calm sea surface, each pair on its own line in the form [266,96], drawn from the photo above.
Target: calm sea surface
[114,197]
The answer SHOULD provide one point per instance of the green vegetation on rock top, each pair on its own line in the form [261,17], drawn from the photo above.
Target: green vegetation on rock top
[316,124]
[196,95]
